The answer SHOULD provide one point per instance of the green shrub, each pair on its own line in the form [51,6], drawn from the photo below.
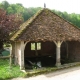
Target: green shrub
[6,72]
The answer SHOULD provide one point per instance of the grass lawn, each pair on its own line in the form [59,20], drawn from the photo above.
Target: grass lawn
[6,72]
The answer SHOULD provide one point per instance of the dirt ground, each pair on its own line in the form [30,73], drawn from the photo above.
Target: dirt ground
[65,74]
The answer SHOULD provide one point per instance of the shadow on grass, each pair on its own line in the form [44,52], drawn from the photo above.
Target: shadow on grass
[5,79]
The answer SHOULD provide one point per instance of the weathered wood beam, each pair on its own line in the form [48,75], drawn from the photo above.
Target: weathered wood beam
[10,57]
[15,61]
[21,55]
[4,57]
[58,57]
[36,49]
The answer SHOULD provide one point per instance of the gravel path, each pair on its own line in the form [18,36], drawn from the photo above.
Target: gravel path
[66,74]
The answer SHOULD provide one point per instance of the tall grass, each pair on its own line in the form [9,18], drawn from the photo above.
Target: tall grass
[6,72]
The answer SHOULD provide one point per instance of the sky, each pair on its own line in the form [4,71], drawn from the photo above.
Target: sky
[70,6]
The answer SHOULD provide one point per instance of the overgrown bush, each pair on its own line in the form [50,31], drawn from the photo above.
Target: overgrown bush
[6,72]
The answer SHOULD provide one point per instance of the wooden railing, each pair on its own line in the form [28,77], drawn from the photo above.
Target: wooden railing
[8,57]
[4,57]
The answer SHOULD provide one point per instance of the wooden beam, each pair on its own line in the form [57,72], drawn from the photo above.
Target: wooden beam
[22,55]
[4,57]
[10,57]
[15,61]
[36,49]
[58,57]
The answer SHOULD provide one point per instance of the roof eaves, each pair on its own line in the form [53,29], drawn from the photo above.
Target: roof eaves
[25,25]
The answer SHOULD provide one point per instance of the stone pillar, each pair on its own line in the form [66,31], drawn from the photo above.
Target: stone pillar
[21,55]
[58,57]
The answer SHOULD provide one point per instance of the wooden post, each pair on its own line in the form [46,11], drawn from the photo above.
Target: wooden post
[58,57]
[15,61]
[10,57]
[13,51]
[36,49]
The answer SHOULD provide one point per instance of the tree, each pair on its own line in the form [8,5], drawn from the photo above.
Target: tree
[5,4]
[8,24]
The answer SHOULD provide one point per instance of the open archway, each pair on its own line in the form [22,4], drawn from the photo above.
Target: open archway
[74,51]
[70,51]
[44,52]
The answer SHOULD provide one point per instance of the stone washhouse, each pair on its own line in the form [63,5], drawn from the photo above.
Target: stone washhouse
[50,35]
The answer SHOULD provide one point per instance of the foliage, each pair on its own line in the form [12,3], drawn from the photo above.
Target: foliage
[6,72]
[19,9]
[8,24]
[73,18]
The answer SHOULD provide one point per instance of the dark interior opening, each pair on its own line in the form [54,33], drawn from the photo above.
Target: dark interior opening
[74,51]
[46,55]
[64,52]
[70,52]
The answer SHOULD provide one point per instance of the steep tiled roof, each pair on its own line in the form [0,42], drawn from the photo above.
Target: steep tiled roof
[46,25]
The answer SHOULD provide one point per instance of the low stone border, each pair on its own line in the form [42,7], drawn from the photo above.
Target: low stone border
[34,72]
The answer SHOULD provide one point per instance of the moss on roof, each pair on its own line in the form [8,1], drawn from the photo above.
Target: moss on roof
[46,25]
[24,25]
